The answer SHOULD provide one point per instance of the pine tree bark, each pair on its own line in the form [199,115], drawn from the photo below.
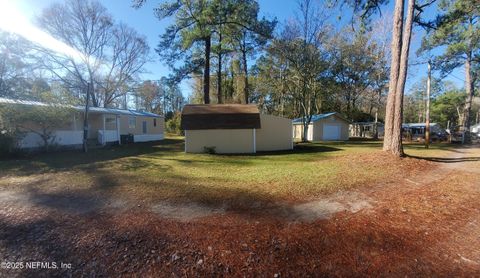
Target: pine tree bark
[396,47]
[469,88]
[219,70]
[206,71]
[245,73]
[396,141]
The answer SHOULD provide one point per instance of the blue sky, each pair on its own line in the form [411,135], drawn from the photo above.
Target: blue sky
[145,23]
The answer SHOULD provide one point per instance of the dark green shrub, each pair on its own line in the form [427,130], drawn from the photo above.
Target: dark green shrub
[173,124]
[210,150]
[7,144]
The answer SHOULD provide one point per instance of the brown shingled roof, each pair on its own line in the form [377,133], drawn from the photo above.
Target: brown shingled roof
[220,116]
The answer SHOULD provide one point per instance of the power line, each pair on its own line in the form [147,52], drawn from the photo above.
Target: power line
[426,62]
[418,63]
[456,77]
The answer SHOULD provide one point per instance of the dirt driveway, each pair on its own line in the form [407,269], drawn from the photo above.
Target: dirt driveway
[424,225]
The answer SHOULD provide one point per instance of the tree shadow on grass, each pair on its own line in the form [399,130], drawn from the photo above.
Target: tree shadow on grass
[93,189]
[173,194]
[245,159]
[436,147]
[136,164]
[62,161]
[298,149]
[303,149]
[349,143]
[69,198]
[214,160]
[446,159]
[77,202]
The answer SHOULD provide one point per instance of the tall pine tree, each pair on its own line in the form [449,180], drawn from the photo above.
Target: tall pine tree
[457,31]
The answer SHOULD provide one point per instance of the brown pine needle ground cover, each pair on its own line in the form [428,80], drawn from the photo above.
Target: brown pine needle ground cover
[110,214]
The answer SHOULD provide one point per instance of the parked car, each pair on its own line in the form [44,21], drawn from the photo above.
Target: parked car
[457,134]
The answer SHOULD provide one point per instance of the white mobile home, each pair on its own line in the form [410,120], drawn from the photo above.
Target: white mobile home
[105,125]
[416,131]
[367,129]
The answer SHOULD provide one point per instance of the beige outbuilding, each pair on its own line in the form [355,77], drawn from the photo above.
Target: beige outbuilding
[323,127]
[234,128]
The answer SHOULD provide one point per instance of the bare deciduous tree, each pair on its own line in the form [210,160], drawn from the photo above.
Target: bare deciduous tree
[128,55]
[104,54]
[13,65]
[301,46]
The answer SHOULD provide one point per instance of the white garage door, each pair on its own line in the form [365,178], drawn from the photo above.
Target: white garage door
[331,132]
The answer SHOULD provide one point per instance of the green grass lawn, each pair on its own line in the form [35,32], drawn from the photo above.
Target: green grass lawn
[162,171]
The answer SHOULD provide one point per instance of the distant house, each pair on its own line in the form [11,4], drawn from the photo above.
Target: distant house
[416,131]
[233,128]
[366,129]
[323,127]
[105,125]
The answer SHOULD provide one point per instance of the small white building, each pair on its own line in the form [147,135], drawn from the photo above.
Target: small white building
[323,127]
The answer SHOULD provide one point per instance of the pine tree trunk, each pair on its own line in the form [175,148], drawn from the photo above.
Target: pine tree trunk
[396,47]
[219,70]
[206,71]
[245,73]
[469,82]
[232,89]
[396,140]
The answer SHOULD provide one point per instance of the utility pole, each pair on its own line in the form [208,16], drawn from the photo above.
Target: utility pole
[427,112]
[449,132]
[164,98]
[85,119]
